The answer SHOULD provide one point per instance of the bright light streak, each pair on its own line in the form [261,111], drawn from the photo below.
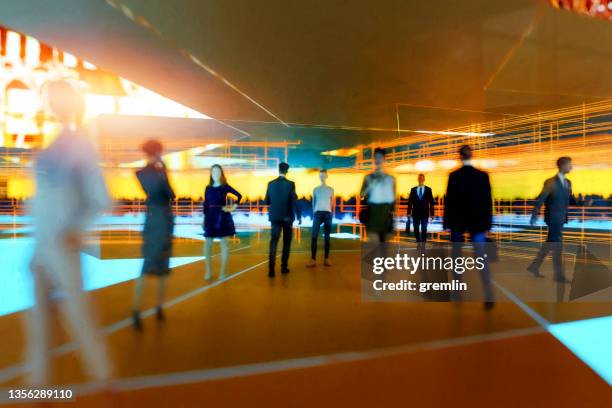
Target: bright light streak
[133,165]
[206,148]
[405,168]
[449,133]
[202,162]
[341,152]
[488,163]
[129,105]
[99,104]
[449,164]
[425,165]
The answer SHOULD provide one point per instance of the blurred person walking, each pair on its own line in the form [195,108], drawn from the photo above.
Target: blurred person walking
[218,221]
[282,201]
[322,210]
[158,227]
[70,193]
[378,191]
[468,208]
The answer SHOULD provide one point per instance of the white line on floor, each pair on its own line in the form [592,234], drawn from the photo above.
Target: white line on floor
[9,373]
[190,377]
[523,306]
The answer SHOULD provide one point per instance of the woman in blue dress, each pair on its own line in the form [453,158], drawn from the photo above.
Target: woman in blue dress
[218,222]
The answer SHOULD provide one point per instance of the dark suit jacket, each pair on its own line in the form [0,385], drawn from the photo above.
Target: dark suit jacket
[154,182]
[468,205]
[421,208]
[556,200]
[281,198]
[159,220]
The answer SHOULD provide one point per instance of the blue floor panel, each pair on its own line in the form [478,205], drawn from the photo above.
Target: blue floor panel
[590,340]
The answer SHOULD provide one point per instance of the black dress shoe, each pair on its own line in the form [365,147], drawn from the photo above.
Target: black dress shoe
[159,314]
[136,322]
[534,271]
[488,305]
[271,274]
[285,271]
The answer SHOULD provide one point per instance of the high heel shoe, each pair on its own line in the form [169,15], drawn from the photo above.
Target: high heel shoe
[159,314]
[136,321]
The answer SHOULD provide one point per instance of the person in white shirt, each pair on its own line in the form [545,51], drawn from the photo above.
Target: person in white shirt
[378,190]
[70,193]
[322,209]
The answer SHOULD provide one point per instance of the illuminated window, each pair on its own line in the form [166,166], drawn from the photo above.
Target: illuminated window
[21,127]
[22,101]
[70,60]
[13,46]
[32,57]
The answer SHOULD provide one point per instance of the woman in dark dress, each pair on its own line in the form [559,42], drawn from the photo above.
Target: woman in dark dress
[218,222]
[158,227]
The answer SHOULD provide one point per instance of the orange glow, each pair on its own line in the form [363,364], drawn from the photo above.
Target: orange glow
[341,152]
[22,103]
[122,183]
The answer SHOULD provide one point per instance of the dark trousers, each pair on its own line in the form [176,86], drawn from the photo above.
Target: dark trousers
[420,228]
[325,218]
[554,243]
[287,230]
[479,242]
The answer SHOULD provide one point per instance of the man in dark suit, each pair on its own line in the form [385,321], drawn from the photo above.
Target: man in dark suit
[420,208]
[282,201]
[468,207]
[556,196]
